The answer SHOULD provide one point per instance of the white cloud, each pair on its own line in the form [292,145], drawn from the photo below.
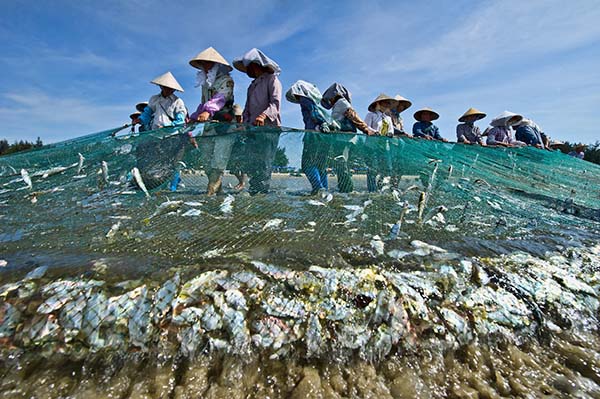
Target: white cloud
[35,113]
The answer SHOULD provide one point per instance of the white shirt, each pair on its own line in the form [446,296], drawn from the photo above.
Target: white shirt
[380,122]
[163,107]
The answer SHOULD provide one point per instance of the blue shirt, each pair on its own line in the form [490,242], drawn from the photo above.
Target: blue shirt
[424,129]
[310,115]
[528,135]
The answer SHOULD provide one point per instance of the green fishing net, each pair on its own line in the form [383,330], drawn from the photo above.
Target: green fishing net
[110,241]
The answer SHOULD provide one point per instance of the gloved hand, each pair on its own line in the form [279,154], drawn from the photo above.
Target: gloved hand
[325,128]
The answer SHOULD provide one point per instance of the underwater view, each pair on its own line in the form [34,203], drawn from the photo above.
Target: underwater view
[426,269]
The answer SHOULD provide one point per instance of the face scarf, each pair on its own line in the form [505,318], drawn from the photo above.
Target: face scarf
[208,78]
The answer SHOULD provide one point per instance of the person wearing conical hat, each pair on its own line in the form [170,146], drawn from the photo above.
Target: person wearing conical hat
[467,132]
[424,126]
[140,109]
[133,117]
[376,153]
[315,149]
[578,151]
[500,133]
[214,79]
[164,109]
[529,133]
[238,111]
[216,103]
[263,108]
[378,120]
[402,105]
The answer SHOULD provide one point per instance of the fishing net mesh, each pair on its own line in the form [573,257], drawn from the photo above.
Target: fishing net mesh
[125,223]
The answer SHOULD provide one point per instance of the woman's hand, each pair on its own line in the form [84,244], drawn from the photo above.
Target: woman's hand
[260,120]
[203,117]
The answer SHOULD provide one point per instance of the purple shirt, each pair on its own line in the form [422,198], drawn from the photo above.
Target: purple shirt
[500,134]
[264,97]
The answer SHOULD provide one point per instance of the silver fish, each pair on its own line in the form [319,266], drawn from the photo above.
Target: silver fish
[26,179]
[139,325]
[9,319]
[93,316]
[140,182]
[211,319]
[80,163]
[163,298]
[45,327]
[36,273]
[271,332]
[227,205]
[275,272]
[236,299]
[272,224]
[104,171]
[284,307]
[71,317]
[192,212]
[314,336]
[190,339]
[377,245]
[166,207]
[192,290]
[113,230]
[422,204]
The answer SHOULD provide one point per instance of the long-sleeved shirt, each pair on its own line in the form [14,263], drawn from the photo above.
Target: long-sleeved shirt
[380,122]
[468,132]
[215,98]
[343,113]
[310,114]
[164,111]
[529,135]
[500,135]
[264,97]
[426,129]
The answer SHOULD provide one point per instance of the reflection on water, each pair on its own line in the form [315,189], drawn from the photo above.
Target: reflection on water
[424,270]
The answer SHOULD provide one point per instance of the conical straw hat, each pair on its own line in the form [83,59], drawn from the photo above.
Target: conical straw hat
[167,80]
[210,54]
[419,112]
[237,110]
[141,106]
[472,111]
[381,97]
[134,115]
[402,103]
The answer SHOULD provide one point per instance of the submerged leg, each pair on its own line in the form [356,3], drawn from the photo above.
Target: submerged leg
[215,182]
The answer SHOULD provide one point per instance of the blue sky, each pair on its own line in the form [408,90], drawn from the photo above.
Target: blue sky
[75,67]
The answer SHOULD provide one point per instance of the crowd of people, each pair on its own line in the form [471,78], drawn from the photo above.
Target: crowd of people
[327,112]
